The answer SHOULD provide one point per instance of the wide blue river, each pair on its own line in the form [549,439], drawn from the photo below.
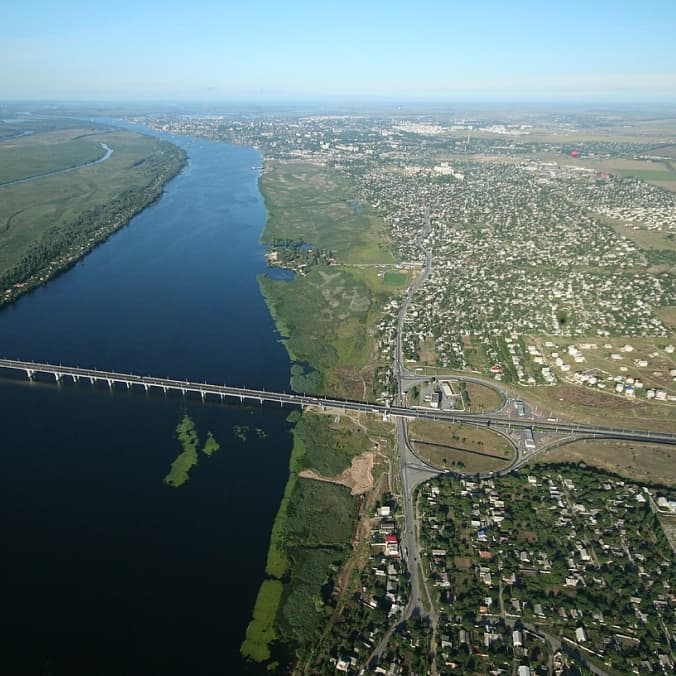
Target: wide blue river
[104,568]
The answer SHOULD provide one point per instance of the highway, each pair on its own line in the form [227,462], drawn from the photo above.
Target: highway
[147,382]
[401,371]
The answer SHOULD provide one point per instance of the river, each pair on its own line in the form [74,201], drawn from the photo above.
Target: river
[105,569]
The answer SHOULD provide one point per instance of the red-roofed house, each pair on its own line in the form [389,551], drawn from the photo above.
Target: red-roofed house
[391,545]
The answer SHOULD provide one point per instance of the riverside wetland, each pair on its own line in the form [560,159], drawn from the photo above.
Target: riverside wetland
[329,334]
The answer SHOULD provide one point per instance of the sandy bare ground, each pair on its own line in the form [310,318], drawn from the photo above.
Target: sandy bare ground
[358,477]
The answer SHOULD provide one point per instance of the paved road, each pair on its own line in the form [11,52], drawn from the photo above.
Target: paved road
[413,470]
[400,369]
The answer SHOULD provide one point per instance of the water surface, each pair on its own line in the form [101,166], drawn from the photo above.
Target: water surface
[105,570]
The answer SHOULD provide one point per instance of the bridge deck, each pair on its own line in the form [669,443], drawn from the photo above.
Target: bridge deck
[260,396]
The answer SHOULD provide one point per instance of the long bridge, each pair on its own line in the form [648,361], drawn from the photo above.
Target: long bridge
[131,381]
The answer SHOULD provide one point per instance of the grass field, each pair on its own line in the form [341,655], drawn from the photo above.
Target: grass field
[462,447]
[482,398]
[648,175]
[327,318]
[572,402]
[668,315]
[653,463]
[28,209]
[330,443]
[260,632]
[661,174]
[657,172]
[395,278]
[645,238]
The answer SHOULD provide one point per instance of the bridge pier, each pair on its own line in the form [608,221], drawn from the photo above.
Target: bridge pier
[91,380]
[30,374]
[110,383]
[203,393]
[164,388]
[57,377]
[183,391]
[146,387]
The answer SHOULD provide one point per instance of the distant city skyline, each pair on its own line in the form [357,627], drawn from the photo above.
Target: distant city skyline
[528,51]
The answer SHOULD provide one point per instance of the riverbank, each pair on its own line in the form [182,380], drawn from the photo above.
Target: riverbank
[50,223]
[314,532]
[328,320]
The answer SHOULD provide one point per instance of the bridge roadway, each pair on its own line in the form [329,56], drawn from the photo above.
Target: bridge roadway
[130,380]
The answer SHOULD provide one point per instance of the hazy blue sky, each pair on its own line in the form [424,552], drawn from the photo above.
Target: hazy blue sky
[150,49]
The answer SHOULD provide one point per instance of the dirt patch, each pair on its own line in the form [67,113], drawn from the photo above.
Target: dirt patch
[352,383]
[462,562]
[428,354]
[586,397]
[358,477]
[528,536]
[482,398]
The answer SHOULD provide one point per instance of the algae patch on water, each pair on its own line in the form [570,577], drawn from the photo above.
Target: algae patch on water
[241,432]
[186,432]
[210,445]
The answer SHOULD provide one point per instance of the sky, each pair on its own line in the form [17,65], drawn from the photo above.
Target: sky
[258,49]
